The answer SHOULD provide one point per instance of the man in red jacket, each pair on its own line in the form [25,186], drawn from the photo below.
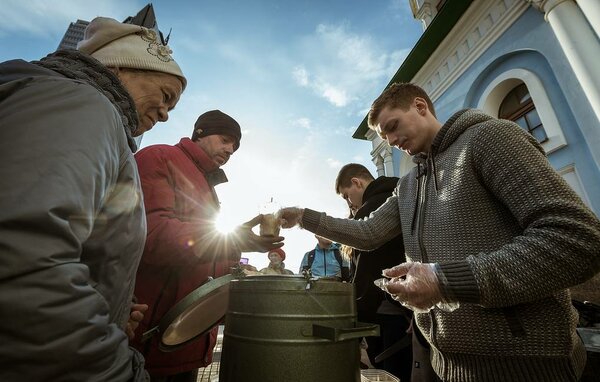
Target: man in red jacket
[183,248]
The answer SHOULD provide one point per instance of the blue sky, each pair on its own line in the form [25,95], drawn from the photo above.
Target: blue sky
[299,76]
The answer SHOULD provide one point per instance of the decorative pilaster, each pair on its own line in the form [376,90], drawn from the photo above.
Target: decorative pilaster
[425,14]
[378,161]
[579,42]
[591,10]
[388,161]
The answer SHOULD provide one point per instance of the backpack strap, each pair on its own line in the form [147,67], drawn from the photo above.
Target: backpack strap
[345,271]
[310,260]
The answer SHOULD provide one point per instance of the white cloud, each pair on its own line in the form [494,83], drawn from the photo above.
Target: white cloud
[303,122]
[48,18]
[344,67]
[334,163]
[336,96]
[300,75]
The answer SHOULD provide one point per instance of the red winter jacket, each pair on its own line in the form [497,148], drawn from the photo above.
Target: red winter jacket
[180,207]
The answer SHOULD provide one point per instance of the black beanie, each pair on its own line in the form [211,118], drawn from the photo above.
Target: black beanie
[216,122]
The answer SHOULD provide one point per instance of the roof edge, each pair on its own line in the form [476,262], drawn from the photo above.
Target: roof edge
[430,40]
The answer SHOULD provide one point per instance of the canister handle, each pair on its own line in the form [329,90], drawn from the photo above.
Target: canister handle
[150,333]
[342,334]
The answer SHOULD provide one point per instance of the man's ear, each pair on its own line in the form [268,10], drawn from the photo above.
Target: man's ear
[357,182]
[421,105]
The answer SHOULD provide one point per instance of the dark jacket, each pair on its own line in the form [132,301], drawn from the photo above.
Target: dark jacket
[183,248]
[72,226]
[510,236]
[366,266]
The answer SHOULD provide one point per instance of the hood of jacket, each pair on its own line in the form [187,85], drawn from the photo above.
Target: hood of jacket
[79,66]
[214,174]
[450,131]
[383,186]
[456,125]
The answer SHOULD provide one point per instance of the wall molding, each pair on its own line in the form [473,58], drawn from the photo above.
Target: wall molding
[574,182]
[499,87]
[481,25]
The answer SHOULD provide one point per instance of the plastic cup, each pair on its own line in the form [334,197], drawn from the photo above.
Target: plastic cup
[269,225]
[270,221]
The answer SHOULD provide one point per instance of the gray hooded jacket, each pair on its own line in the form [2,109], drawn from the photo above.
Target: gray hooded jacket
[72,225]
[509,235]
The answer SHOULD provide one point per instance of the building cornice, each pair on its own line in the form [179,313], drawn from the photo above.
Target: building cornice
[545,5]
[484,23]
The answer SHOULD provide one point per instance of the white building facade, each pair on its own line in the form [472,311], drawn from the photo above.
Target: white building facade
[531,61]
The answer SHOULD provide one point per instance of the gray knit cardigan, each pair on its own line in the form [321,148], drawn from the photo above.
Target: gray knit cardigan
[510,237]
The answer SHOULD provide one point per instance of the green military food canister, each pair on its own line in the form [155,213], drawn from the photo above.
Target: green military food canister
[293,329]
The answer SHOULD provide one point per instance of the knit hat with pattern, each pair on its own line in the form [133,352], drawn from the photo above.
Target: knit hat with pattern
[123,45]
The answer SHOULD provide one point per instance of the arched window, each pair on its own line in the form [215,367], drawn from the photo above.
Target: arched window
[518,106]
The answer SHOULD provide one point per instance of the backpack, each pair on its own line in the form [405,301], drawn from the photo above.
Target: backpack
[338,256]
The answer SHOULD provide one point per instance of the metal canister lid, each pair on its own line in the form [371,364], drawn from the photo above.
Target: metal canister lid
[196,314]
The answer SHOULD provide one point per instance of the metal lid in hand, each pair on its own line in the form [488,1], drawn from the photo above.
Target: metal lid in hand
[195,314]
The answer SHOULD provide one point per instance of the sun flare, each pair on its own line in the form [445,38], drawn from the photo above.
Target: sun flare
[223,224]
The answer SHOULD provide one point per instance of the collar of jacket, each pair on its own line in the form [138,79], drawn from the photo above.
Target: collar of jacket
[450,131]
[331,247]
[76,65]
[383,184]
[455,126]
[214,175]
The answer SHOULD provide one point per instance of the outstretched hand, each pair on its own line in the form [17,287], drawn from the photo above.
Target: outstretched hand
[248,241]
[290,216]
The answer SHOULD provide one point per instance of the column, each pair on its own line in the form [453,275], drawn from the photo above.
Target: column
[579,43]
[591,10]
[388,161]
[378,161]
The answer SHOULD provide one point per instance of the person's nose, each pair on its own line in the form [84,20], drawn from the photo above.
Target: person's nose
[229,148]
[163,113]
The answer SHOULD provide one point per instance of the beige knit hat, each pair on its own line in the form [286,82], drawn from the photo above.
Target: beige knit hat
[128,46]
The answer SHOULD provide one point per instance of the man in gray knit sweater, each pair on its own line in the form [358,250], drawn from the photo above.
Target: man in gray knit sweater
[487,225]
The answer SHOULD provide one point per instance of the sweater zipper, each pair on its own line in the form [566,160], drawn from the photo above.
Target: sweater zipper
[420,225]
[422,201]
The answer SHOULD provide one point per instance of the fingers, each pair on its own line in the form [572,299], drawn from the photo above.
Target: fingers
[254,221]
[130,332]
[248,241]
[136,316]
[140,307]
[290,216]
[398,270]
[398,287]
[286,224]
[267,243]
[413,284]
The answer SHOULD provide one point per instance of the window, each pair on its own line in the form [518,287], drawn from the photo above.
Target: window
[518,106]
